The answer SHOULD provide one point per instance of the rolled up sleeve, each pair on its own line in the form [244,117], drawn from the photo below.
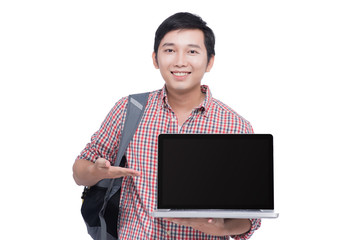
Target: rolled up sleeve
[104,142]
[255,224]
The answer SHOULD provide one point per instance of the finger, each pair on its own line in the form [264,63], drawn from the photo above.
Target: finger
[175,220]
[193,221]
[186,221]
[132,172]
[123,172]
[170,219]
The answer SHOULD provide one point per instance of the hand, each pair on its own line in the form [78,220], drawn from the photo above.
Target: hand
[87,173]
[215,226]
[211,226]
[103,169]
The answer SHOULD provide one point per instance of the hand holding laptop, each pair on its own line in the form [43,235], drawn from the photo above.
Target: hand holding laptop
[215,226]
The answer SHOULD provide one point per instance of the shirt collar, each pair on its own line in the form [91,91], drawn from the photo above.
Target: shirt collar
[204,107]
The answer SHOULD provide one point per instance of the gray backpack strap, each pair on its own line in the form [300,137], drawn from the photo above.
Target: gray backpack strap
[134,111]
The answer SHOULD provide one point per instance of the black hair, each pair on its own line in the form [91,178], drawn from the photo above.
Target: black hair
[185,20]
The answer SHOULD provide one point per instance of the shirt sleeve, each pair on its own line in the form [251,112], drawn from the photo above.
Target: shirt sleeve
[248,127]
[105,141]
[255,224]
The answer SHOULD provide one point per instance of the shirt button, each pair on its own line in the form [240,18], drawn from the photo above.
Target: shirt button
[173,119]
[168,232]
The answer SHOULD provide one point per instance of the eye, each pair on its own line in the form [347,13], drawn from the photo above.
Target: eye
[193,52]
[169,50]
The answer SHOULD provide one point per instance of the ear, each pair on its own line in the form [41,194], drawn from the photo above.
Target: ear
[210,64]
[155,62]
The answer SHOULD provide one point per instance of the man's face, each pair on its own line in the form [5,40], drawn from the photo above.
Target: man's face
[182,60]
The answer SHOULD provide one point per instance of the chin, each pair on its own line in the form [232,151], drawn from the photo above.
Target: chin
[181,88]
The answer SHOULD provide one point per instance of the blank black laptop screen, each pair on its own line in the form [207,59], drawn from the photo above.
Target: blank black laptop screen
[215,171]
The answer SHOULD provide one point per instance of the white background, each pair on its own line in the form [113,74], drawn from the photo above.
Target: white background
[289,67]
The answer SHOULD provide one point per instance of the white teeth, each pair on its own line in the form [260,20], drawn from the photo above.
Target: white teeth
[180,73]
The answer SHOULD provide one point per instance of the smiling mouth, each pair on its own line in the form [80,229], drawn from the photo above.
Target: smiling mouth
[180,74]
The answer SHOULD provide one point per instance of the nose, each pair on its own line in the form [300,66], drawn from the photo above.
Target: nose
[180,60]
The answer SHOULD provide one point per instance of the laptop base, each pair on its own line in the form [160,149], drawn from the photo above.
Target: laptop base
[214,213]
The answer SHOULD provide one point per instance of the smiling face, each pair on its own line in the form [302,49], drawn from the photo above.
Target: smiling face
[182,60]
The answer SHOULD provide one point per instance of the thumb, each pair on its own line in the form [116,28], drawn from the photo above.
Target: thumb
[103,163]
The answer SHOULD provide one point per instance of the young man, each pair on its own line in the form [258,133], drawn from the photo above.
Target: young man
[183,52]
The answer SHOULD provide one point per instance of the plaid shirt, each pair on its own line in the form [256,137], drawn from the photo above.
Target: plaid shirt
[138,196]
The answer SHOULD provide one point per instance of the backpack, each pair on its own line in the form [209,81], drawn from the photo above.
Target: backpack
[100,208]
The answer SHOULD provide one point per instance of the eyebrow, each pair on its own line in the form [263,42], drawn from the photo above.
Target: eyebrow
[172,44]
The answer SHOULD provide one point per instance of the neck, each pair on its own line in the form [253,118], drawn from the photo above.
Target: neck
[185,102]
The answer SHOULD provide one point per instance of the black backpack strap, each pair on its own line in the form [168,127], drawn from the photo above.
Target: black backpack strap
[134,111]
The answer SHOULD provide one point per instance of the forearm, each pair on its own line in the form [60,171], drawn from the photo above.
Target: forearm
[83,173]
[236,226]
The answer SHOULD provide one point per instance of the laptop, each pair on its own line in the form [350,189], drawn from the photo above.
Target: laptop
[215,176]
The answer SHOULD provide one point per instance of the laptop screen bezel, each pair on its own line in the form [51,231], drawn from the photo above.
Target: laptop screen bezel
[163,137]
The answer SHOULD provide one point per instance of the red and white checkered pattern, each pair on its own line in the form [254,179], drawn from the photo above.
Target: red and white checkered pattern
[138,196]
